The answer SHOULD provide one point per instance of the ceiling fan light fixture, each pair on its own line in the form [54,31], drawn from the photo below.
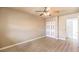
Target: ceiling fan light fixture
[46,13]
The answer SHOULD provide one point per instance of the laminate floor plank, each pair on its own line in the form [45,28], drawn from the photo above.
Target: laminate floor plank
[44,45]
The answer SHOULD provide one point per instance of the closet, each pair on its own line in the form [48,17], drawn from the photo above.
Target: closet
[63,27]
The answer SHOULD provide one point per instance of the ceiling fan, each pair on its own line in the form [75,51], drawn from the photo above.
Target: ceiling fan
[45,12]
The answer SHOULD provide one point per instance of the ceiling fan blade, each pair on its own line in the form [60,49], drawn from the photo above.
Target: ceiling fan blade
[41,14]
[39,11]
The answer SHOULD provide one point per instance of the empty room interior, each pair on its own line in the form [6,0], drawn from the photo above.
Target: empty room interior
[39,29]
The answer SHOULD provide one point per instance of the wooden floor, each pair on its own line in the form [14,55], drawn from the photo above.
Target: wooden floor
[44,45]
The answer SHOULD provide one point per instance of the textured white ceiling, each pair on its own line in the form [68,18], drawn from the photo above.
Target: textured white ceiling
[62,10]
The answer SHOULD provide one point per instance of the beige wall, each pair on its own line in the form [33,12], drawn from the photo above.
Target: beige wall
[16,26]
[62,27]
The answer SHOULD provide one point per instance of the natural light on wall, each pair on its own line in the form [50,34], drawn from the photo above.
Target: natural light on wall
[72,29]
[16,32]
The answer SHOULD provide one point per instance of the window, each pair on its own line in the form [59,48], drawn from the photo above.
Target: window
[72,29]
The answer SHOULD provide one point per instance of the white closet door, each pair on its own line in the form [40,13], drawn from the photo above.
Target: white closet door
[51,27]
[48,28]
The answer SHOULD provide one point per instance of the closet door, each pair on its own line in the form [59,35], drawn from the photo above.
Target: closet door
[48,28]
[54,28]
[51,27]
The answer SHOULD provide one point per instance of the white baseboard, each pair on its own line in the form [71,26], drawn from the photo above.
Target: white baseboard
[56,38]
[20,43]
